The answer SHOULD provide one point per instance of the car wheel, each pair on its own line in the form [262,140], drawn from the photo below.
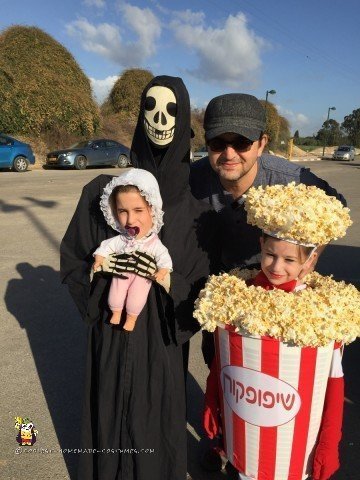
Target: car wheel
[20,164]
[80,162]
[123,161]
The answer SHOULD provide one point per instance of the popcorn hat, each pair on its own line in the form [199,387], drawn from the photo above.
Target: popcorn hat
[297,213]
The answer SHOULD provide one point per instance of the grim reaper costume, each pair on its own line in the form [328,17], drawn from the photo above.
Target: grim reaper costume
[134,406]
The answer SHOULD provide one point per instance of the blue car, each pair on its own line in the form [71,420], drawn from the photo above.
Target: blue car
[15,154]
[90,153]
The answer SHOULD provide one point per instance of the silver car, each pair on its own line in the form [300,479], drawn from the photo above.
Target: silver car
[90,153]
[344,152]
[202,152]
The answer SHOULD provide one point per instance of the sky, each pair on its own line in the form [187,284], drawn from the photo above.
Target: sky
[307,51]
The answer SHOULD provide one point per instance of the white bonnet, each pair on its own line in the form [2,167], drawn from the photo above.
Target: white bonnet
[149,188]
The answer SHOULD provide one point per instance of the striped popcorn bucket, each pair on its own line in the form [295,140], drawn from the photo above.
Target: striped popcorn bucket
[272,398]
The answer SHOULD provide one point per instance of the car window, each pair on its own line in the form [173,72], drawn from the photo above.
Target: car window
[80,145]
[5,141]
[111,144]
[99,144]
[344,149]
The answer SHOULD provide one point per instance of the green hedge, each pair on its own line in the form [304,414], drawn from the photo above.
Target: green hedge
[42,87]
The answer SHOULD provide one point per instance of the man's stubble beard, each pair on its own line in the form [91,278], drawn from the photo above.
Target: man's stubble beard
[232,180]
[231,176]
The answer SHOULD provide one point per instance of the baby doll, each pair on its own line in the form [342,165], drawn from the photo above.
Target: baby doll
[132,204]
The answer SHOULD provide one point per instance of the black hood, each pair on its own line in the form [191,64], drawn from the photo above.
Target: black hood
[170,165]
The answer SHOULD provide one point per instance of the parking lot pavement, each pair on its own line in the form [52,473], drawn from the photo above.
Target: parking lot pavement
[43,340]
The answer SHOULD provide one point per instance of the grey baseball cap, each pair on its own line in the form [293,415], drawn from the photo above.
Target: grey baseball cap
[234,113]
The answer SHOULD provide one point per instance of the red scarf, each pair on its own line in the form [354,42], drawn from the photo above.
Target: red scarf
[261,280]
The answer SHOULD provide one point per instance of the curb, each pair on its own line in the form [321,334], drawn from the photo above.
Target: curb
[306,159]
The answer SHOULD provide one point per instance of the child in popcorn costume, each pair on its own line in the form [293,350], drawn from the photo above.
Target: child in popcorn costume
[295,220]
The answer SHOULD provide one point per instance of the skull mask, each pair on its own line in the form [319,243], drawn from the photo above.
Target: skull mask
[160,114]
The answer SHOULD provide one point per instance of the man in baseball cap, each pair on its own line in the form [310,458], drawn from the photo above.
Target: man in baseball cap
[234,132]
[237,113]
[235,135]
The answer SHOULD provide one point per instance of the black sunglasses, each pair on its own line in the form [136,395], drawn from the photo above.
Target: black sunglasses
[240,144]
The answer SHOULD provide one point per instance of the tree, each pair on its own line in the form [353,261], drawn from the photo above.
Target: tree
[125,95]
[284,129]
[42,88]
[351,125]
[308,141]
[296,135]
[197,120]
[272,124]
[330,133]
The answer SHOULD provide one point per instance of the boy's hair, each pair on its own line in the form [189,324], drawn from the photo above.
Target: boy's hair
[303,251]
[121,189]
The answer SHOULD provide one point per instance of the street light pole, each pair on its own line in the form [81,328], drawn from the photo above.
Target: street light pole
[272,92]
[325,133]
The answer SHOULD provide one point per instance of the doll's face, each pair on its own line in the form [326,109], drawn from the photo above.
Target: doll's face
[133,211]
[281,261]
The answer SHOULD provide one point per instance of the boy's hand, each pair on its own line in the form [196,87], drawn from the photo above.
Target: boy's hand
[211,416]
[326,458]
[326,463]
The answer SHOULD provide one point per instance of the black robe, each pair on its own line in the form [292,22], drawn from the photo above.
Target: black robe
[134,388]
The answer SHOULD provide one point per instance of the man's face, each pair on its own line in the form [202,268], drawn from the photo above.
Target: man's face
[237,158]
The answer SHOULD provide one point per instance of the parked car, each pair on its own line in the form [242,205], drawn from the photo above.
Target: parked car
[202,152]
[344,152]
[89,153]
[15,154]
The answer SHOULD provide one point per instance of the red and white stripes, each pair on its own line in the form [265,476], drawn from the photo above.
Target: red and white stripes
[272,405]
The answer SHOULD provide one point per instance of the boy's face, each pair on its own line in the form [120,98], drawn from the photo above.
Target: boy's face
[133,211]
[280,260]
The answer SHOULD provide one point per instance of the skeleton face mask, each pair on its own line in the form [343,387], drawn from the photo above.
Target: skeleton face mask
[160,115]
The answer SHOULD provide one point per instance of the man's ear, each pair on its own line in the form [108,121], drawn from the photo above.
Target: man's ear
[261,242]
[262,144]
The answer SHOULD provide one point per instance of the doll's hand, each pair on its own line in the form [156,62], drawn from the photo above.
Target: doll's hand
[137,262]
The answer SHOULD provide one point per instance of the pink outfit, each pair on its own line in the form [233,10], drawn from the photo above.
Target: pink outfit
[132,291]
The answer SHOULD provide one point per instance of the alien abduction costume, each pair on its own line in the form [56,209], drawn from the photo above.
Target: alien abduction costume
[134,405]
